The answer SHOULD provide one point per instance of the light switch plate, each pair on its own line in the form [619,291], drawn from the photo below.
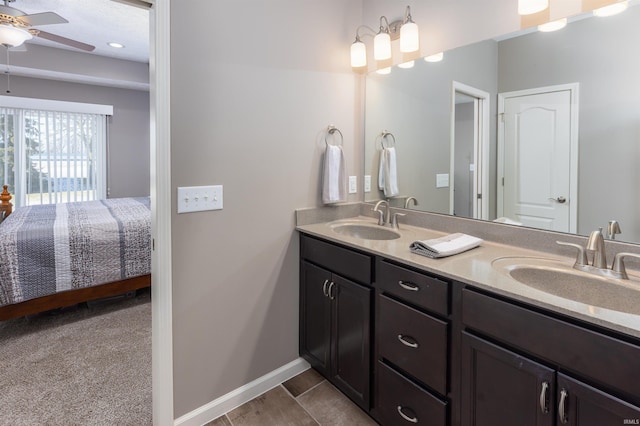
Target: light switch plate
[199,198]
[353,184]
[367,183]
[442,180]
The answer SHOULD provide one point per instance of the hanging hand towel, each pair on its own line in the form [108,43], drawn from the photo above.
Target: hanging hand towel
[390,173]
[334,185]
[381,171]
[445,246]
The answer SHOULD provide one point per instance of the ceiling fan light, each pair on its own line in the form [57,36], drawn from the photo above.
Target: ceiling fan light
[612,9]
[12,36]
[528,7]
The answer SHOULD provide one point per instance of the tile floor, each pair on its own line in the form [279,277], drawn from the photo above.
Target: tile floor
[307,399]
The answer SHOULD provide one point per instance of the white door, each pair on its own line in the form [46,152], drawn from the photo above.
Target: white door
[538,154]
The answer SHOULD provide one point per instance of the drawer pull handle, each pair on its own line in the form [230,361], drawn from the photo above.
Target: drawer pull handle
[407,418]
[408,285]
[562,409]
[410,342]
[331,295]
[324,288]
[543,398]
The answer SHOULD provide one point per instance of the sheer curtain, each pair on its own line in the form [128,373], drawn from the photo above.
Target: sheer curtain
[49,157]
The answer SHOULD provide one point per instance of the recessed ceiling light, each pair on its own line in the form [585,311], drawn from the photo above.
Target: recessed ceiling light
[116,45]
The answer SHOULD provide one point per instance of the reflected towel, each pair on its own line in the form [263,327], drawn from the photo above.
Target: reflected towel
[381,171]
[445,246]
[334,185]
[390,173]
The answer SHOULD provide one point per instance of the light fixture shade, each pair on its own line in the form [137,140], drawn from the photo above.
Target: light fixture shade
[408,64]
[527,7]
[612,9]
[553,25]
[382,46]
[12,36]
[436,57]
[358,54]
[384,71]
[409,37]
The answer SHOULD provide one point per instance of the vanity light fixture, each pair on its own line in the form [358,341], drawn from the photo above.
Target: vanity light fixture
[406,65]
[405,29]
[384,71]
[612,9]
[436,57]
[528,7]
[553,25]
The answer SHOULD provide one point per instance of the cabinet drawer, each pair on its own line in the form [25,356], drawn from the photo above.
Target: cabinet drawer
[341,260]
[400,401]
[601,358]
[419,289]
[414,342]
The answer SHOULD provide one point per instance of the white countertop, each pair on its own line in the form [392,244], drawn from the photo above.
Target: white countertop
[475,267]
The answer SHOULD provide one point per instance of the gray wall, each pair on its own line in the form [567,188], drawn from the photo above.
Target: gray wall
[250,115]
[128,128]
[599,54]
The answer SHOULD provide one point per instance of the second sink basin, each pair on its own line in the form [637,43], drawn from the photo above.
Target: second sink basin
[554,277]
[365,231]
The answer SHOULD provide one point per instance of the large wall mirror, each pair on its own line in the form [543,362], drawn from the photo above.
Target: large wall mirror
[540,129]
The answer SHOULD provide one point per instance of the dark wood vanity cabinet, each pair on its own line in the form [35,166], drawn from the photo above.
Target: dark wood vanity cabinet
[521,366]
[412,340]
[335,315]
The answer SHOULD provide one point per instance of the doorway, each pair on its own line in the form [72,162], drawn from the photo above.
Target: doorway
[538,157]
[469,169]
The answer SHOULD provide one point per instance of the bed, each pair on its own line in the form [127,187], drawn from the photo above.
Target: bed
[54,256]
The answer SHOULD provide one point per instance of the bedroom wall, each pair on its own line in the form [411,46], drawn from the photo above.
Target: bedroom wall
[129,126]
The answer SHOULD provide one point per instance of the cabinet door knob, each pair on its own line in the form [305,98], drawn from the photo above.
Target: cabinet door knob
[408,341]
[562,407]
[407,418]
[408,285]
[543,398]
[324,288]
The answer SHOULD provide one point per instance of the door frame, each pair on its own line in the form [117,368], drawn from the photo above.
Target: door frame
[480,148]
[573,89]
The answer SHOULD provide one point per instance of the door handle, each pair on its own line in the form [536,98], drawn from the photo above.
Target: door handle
[560,199]
[404,416]
[562,407]
[330,294]
[324,288]
[408,341]
[408,285]
[543,398]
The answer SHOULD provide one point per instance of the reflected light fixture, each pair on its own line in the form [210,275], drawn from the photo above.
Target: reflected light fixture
[436,57]
[115,45]
[408,64]
[553,25]
[528,7]
[11,36]
[612,9]
[384,71]
[405,29]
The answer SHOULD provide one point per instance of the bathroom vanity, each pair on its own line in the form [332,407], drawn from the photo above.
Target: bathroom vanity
[456,341]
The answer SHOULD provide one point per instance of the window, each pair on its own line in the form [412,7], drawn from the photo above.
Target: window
[53,152]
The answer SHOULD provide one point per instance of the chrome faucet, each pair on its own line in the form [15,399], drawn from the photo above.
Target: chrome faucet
[383,218]
[595,244]
[408,201]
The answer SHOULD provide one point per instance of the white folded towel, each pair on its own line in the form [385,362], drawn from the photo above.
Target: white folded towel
[381,171]
[334,185]
[390,173]
[445,246]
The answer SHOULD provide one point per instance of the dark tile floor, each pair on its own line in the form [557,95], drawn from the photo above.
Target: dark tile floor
[307,399]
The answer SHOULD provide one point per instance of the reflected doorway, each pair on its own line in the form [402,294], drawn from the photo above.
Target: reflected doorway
[469,178]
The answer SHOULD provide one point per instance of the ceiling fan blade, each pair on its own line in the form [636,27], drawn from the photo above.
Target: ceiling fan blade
[44,18]
[66,41]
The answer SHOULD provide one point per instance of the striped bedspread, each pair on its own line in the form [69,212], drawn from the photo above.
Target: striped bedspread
[52,248]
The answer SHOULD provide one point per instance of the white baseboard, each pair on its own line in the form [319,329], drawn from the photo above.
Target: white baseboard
[239,396]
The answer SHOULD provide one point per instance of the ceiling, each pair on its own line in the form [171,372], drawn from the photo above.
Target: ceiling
[96,22]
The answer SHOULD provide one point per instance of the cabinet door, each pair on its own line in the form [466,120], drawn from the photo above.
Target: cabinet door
[351,336]
[500,387]
[315,316]
[583,405]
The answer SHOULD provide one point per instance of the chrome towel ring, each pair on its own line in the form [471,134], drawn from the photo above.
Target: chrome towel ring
[383,138]
[331,130]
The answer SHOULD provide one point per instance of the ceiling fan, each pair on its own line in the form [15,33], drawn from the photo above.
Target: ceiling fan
[16,27]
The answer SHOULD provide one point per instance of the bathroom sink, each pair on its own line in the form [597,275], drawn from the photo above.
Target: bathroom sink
[365,231]
[560,279]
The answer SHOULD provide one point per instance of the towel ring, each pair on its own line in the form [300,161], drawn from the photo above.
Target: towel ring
[383,137]
[331,129]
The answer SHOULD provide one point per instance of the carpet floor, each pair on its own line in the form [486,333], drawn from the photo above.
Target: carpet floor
[86,365]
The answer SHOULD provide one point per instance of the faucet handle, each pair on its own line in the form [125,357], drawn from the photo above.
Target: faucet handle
[581,258]
[380,216]
[618,264]
[394,220]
